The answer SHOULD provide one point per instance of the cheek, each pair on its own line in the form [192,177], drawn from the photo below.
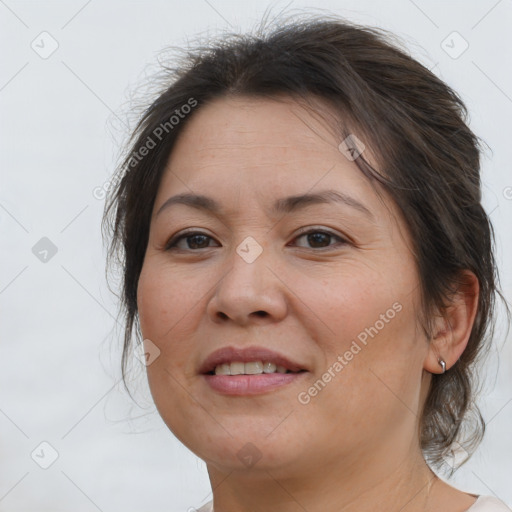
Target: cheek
[152,304]
[357,302]
[168,313]
[369,319]
[165,301]
[171,305]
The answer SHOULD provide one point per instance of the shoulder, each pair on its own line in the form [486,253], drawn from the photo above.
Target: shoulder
[489,504]
[208,507]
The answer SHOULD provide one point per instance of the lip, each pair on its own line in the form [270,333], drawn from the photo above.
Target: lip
[250,384]
[246,355]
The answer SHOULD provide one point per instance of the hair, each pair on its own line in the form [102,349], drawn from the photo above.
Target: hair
[428,160]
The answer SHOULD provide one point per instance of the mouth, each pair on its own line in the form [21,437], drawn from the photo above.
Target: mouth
[248,361]
[250,370]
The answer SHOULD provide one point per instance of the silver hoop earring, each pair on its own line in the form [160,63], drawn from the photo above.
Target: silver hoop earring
[443,364]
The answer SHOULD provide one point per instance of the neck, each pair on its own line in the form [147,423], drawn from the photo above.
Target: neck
[402,483]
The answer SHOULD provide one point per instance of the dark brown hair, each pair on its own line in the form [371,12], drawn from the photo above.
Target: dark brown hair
[428,162]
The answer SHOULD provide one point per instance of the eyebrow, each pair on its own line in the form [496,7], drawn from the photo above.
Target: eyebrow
[281,206]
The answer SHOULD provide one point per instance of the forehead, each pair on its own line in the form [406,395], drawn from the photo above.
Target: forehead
[281,126]
[262,143]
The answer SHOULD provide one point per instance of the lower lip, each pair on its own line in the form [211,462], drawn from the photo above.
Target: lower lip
[250,384]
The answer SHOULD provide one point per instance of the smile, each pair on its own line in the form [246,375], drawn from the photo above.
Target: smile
[250,368]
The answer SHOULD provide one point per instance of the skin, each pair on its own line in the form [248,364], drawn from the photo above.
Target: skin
[354,446]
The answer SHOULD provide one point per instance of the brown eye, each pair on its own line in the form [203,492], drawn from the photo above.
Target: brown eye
[320,239]
[192,241]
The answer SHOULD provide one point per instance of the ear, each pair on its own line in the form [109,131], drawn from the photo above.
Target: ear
[453,326]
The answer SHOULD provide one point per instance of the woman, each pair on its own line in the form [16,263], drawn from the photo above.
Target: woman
[307,260]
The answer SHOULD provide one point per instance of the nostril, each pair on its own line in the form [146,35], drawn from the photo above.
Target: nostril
[224,316]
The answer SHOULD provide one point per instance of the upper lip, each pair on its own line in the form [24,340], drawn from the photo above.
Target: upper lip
[245,355]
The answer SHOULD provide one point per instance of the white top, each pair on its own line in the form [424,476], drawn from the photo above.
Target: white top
[488,504]
[482,504]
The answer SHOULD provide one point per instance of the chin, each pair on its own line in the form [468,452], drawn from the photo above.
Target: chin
[249,448]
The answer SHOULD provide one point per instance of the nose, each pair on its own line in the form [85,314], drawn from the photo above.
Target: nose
[249,292]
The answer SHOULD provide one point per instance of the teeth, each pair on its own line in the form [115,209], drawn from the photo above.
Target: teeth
[251,368]
[223,369]
[269,367]
[237,368]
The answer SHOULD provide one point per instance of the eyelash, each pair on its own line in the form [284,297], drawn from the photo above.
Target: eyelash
[171,244]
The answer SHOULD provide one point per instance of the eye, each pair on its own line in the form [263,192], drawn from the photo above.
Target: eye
[192,240]
[319,239]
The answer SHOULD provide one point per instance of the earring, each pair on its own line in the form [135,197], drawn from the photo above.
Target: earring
[443,364]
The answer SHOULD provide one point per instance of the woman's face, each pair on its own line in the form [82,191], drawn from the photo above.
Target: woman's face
[327,284]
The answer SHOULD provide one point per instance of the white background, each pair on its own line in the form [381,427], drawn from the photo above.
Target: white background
[62,120]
